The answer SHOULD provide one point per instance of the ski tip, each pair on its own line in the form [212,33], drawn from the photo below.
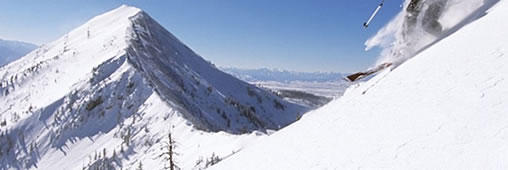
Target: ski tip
[346,79]
[365,25]
[353,78]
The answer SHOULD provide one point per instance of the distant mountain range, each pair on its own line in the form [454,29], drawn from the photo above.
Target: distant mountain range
[12,50]
[279,75]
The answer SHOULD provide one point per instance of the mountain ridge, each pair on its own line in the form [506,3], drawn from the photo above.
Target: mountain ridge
[194,66]
[12,50]
[123,81]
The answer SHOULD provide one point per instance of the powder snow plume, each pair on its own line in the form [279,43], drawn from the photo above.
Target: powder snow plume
[395,48]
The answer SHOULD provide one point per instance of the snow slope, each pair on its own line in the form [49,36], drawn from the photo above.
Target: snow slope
[12,50]
[446,108]
[108,93]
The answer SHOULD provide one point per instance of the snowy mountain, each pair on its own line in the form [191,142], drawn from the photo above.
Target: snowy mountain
[279,75]
[12,50]
[445,108]
[108,93]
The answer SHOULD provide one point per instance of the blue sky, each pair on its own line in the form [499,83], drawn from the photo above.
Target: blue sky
[300,35]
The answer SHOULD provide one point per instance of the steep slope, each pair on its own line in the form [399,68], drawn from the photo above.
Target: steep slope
[185,79]
[446,108]
[12,50]
[118,85]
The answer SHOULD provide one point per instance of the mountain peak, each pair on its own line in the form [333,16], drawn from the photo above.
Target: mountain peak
[125,6]
[122,11]
[114,23]
[115,75]
[120,14]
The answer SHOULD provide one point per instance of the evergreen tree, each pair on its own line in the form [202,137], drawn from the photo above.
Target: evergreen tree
[140,166]
[169,153]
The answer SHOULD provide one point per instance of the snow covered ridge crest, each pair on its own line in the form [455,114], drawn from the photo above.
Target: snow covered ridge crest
[121,81]
[197,89]
[209,98]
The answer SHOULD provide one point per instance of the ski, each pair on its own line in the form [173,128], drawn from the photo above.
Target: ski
[357,76]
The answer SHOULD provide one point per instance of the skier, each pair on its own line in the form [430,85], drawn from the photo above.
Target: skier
[430,23]
[430,19]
